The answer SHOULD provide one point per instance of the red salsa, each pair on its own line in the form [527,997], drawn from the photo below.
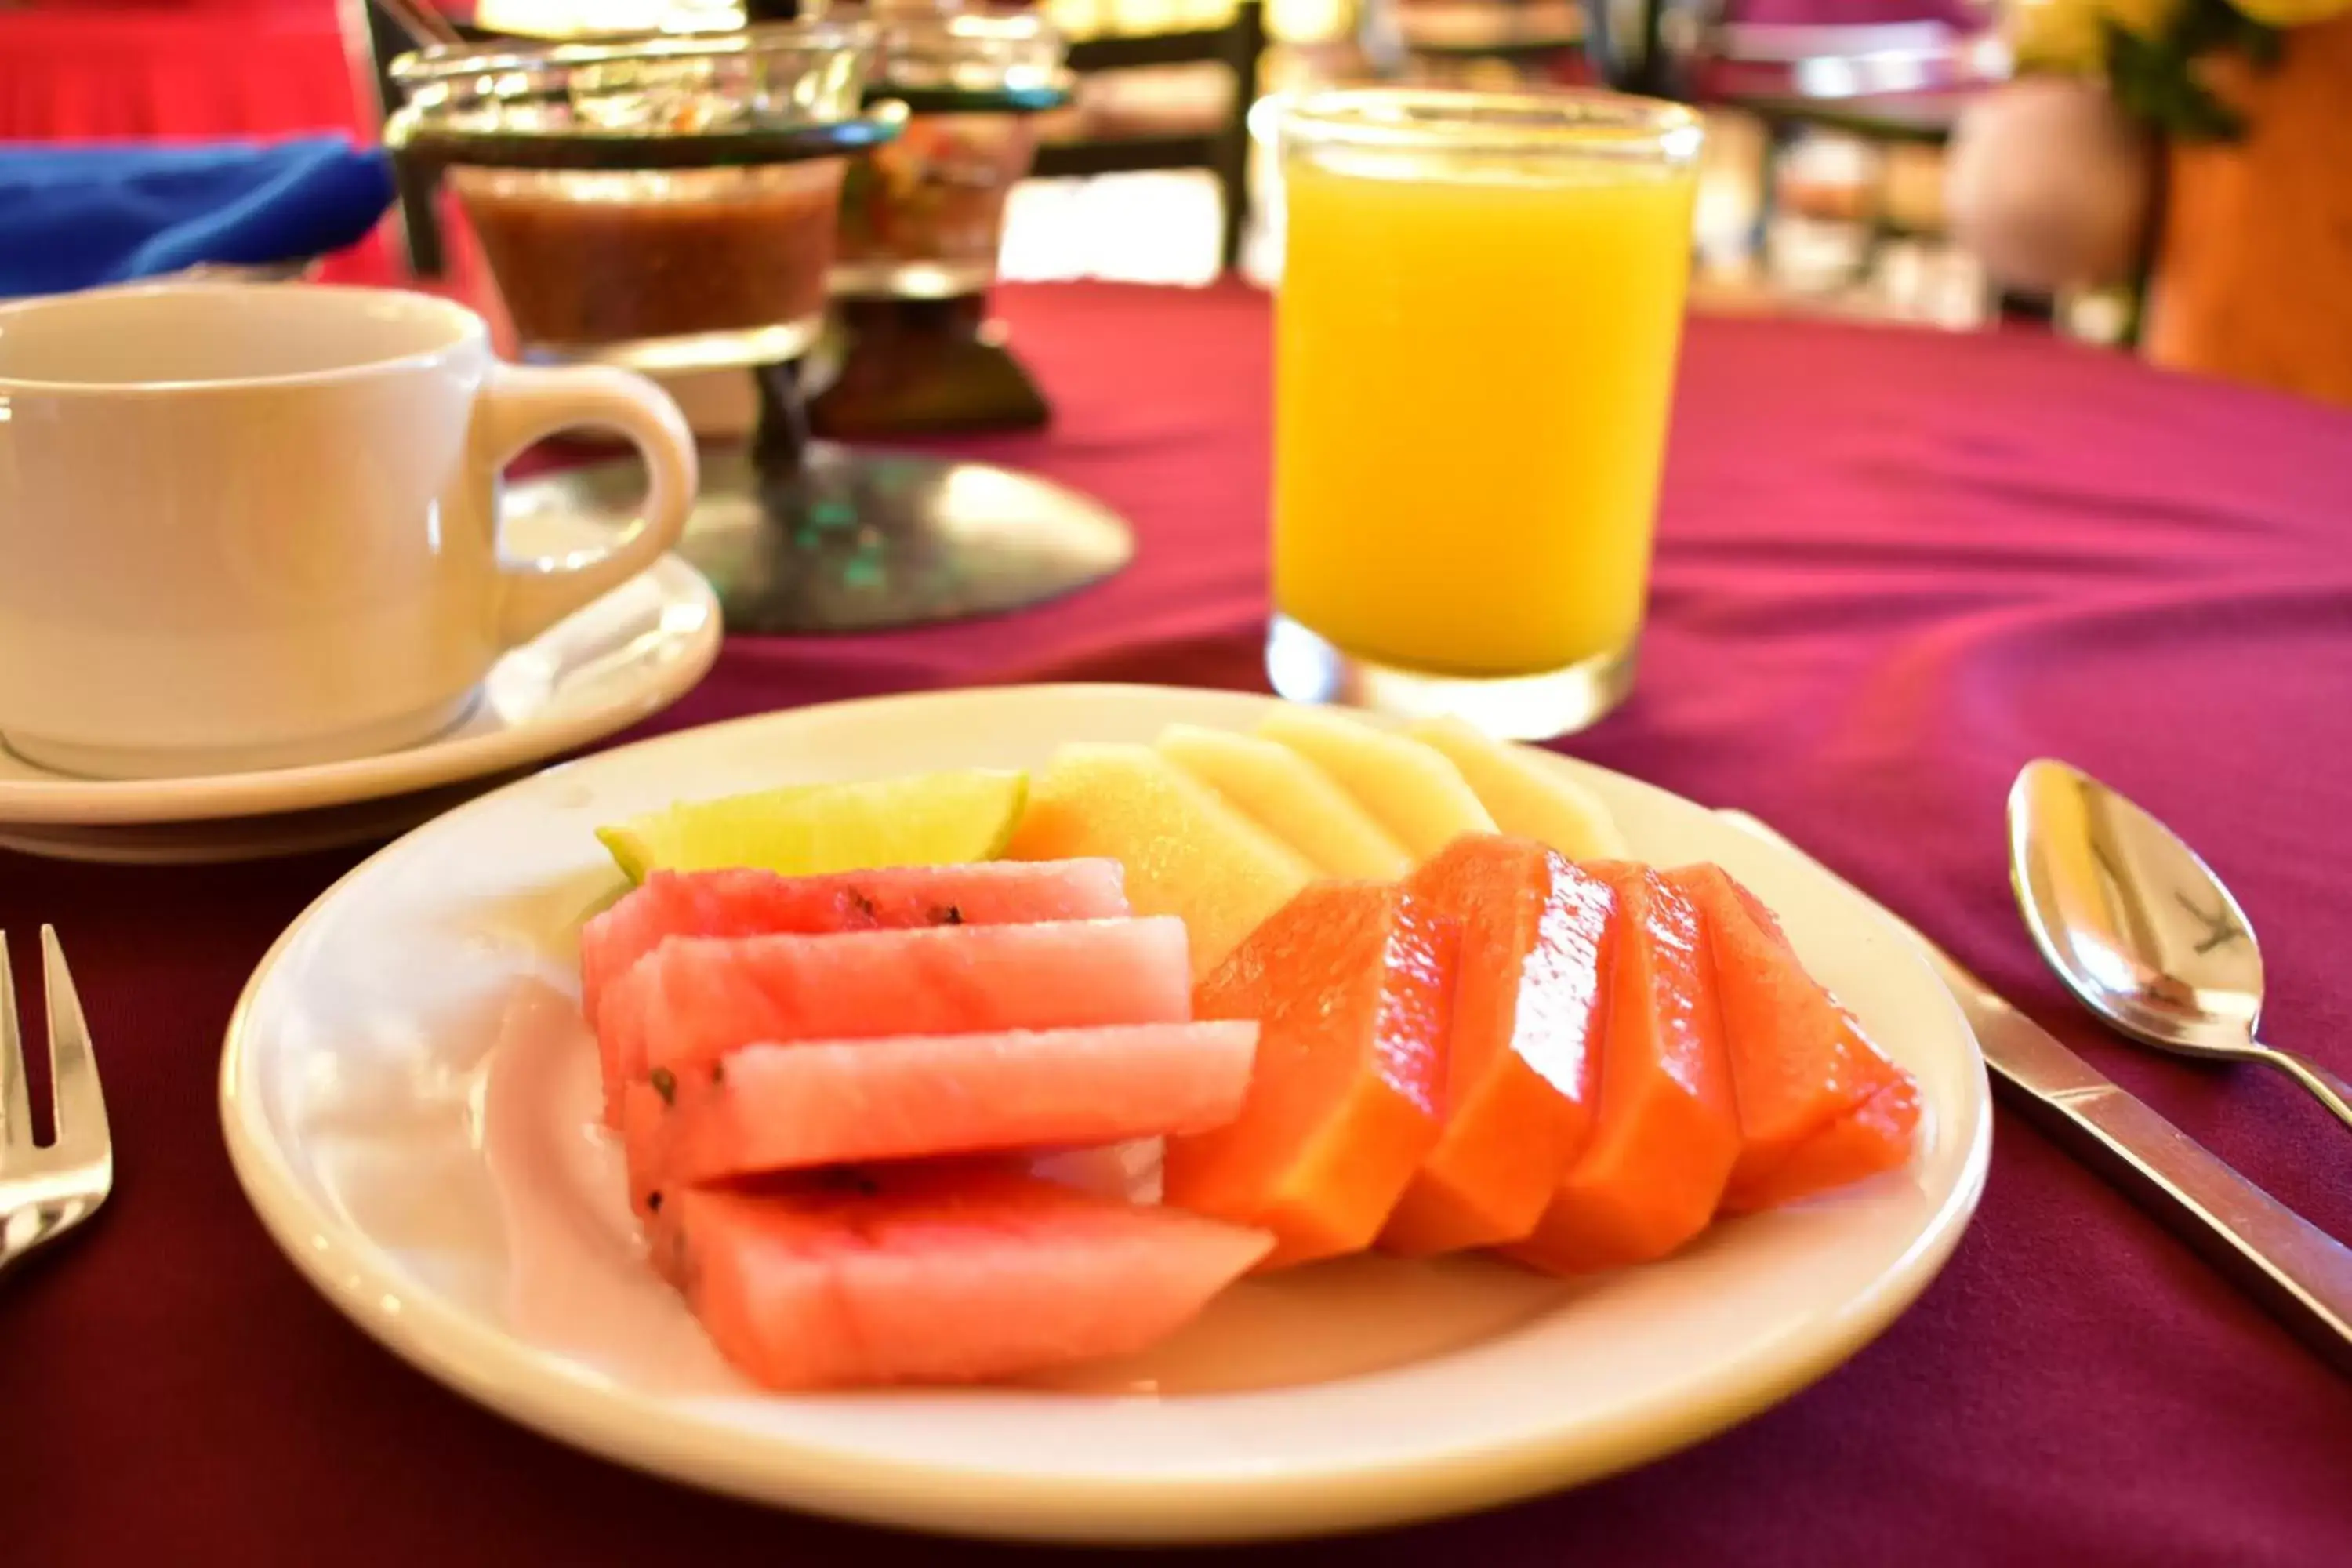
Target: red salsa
[584,259]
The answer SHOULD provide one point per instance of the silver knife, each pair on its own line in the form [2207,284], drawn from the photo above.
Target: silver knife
[2299,1273]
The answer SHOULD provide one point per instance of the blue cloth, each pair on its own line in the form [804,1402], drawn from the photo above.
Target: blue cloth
[74,216]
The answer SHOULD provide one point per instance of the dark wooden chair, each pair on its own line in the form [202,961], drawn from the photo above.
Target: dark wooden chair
[373,40]
[1223,149]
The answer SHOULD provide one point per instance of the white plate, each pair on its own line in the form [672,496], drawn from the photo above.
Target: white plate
[435,1172]
[631,653]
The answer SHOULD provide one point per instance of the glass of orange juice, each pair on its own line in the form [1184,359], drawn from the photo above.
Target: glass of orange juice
[1480,307]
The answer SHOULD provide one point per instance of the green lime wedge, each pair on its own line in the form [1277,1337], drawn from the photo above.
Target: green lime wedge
[923,819]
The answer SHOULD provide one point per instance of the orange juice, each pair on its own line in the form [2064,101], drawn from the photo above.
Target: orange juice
[1474,356]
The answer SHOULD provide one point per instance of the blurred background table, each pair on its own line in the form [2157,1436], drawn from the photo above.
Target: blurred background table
[1144,180]
[1894,565]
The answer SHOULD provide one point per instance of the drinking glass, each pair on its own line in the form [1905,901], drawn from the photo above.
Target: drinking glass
[1481,303]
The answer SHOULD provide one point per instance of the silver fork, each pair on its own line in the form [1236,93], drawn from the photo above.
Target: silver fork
[47,1189]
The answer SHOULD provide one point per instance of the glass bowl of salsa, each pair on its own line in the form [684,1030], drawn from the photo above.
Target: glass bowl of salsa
[663,202]
[922,216]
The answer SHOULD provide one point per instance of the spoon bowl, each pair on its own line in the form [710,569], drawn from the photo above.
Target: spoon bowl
[2139,927]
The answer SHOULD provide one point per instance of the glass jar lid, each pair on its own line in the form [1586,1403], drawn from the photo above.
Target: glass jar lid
[761,94]
[934,59]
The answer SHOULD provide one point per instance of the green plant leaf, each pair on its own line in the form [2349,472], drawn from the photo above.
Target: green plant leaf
[2155,79]
[2260,41]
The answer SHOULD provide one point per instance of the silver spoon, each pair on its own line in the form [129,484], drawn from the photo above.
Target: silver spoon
[2140,927]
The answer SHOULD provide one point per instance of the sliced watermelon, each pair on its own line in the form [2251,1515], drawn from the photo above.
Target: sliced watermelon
[759,903]
[925,1273]
[694,999]
[783,1108]
[1523,1057]
[1353,985]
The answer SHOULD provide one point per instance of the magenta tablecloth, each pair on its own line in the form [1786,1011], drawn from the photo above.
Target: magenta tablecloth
[1894,565]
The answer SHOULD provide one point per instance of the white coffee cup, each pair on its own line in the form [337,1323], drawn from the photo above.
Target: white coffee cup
[250,526]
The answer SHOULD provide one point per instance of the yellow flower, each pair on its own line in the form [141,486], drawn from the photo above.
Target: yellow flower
[2150,18]
[2292,12]
[2061,34]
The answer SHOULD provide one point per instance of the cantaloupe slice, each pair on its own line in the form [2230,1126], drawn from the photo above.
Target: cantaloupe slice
[1291,798]
[1409,788]
[1874,1137]
[1186,852]
[1523,796]
[1797,1066]
[1522,1055]
[1667,1129]
[1351,985]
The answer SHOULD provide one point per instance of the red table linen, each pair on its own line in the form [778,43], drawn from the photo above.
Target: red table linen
[1894,565]
[105,72]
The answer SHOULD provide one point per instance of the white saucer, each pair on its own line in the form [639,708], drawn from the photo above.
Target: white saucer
[631,654]
[408,1094]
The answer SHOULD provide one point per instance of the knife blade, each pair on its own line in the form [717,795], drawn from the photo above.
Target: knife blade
[2294,1270]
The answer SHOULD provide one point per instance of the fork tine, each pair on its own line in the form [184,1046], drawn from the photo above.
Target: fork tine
[73,1075]
[16,1106]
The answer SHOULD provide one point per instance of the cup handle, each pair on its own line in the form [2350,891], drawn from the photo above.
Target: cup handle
[520,405]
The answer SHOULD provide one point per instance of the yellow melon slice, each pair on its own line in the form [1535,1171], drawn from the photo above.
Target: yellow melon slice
[1524,797]
[1411,790]
[1186,851]
[1291,798]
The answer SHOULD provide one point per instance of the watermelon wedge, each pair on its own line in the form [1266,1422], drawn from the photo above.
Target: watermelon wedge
[921,1273]
[1523,1058]
[1792,1070]
[694,999]
[1667,1130]
[1352,984]
[783,1108]
[759,903]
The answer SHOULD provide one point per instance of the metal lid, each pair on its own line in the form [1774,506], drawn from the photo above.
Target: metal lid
[937,59]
